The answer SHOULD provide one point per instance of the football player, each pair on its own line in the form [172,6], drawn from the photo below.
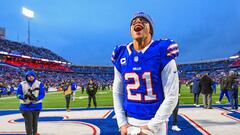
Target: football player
[146,83]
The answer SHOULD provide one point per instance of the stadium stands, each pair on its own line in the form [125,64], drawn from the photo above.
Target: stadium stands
[33,63]
[93,69]
[12,76]
[236,63]
[27,50]
[213,67]
[206,65]
[22,55]
[16,58]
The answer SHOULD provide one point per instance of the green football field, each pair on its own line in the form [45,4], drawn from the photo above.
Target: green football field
[104,98]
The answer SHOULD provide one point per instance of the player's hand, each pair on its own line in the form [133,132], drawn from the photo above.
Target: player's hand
[123,129]
[145,130]
[144,127]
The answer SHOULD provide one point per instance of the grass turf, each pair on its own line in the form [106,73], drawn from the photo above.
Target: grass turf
[104,98]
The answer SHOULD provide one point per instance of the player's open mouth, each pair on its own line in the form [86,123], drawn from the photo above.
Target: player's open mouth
[138,28]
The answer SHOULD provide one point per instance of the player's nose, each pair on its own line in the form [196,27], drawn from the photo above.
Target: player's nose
[138,20]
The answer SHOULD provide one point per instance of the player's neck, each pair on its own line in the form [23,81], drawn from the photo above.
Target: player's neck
[141,43]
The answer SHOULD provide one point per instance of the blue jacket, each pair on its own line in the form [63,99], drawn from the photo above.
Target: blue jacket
[73,86]
[3,90]
[41,95]
[214,87]
[195,86]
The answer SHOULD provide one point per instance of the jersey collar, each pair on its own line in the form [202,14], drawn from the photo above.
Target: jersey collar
[131,49]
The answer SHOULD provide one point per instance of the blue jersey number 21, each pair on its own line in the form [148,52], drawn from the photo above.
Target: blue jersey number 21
[146,76]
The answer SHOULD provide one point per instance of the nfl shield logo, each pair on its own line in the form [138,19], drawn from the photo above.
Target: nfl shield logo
[136,58]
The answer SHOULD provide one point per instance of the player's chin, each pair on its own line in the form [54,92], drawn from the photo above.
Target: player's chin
[138,37]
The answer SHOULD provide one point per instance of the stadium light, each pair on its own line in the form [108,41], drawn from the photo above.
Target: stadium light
[29,14]
[234,57]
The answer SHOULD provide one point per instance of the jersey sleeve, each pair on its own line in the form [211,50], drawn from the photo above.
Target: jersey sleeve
[116,56]
[118,98]
[172,49]
[169,51]
[170,82]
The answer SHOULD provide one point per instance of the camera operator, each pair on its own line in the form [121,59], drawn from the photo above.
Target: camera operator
[91,91]
[30,92]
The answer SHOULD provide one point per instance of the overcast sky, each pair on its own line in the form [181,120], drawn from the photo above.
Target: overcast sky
[86,31]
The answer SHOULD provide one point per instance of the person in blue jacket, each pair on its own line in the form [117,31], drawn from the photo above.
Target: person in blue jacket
[30,93]
[196,90]
[73,87]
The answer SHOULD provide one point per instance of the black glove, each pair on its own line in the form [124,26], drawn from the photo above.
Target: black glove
[32,97]
[27,95]
[36,89]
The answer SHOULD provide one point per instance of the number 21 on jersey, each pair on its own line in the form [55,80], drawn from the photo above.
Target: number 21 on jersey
[147,79]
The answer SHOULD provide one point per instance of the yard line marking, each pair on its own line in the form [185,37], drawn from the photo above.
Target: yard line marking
[226,112]
[107,114]
[195,124]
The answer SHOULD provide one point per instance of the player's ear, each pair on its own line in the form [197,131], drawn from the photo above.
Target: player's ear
[151,33]
[151,30]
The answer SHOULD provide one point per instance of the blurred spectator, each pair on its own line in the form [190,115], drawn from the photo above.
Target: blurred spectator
[214,86]
[66,87]
[206,90]
[73,88]
[223,88]
[91,91]
[82,88]
[195,89]
[232,86]
[3,89]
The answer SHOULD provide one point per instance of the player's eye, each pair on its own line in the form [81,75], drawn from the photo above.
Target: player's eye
[141,20]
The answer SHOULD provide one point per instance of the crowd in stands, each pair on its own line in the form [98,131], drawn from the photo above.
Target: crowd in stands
[214,68]
[236,63]
[93,69]
[208,65]
[32,63]
[16,58]
[28,50]
[10,77]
